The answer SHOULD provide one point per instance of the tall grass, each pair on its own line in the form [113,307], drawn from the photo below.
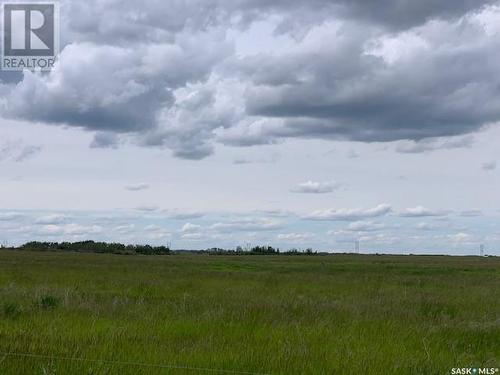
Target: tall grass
[271,315]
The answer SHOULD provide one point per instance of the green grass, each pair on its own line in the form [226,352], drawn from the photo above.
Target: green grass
[268,315]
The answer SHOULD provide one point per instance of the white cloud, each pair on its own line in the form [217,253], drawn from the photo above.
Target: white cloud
[72,229]
[192,236]
[345,214]
[365,226]
[124,229]
[148,208]
[382,235]
[471,213]
[137,187]
[156,232]
[184,214]
[489,165]
[425,226]
[428,145]
[17,151]
[352,154]
[10,216]
[190,228]
[295,237]
[461,238]
[420,211]
[311,187]
[248,225]
[379,239]
[51,219]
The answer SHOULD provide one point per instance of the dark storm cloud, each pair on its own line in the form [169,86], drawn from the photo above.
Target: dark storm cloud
[403,14]
[7,77]
[443,83]
[98,88]
[123,64]
[391,14]
[128,21]
[111,88]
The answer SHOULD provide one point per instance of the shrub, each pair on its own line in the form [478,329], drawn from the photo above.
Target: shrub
[11,310]
[48,302]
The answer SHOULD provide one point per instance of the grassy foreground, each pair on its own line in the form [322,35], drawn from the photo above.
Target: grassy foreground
[267,315]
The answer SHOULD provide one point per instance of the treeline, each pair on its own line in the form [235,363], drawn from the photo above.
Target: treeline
[258,250]
[96,247]
[118,248]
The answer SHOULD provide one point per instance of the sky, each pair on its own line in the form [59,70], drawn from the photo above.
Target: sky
[224,123]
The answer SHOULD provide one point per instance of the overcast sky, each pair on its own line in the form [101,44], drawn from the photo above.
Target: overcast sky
[297,123]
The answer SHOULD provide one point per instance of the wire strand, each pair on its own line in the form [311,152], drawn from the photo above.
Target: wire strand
[138,364]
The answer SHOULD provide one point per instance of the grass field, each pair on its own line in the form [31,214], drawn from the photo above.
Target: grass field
[267,315]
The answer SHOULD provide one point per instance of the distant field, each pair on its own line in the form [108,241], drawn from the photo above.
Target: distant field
[262,314]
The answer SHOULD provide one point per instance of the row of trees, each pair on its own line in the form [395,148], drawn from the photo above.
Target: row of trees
[96,247]
[118,248]
[259,250]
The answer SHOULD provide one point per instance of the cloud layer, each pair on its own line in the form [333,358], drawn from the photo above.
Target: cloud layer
[171,76]
[339,233]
